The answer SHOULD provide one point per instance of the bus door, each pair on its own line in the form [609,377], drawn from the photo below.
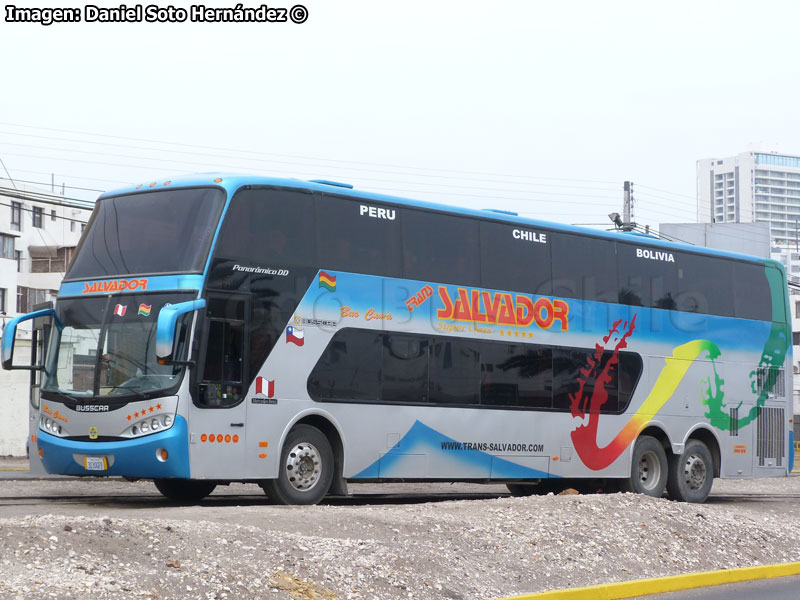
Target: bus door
[217,415]
[40,334]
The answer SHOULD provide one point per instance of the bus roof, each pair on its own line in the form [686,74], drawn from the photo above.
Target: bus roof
[233,181]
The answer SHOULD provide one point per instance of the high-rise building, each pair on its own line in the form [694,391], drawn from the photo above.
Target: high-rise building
[752,187]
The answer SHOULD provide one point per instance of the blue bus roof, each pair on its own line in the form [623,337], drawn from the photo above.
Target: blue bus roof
[233,181]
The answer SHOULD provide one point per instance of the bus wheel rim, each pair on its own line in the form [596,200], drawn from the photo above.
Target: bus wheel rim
[694,472]
[649,470]
[303,466]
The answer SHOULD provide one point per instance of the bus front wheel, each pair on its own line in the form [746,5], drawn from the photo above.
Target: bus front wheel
[691,474]
[184,490]
[305,470]
[648,468]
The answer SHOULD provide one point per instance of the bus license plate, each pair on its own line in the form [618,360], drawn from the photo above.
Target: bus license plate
[95,463]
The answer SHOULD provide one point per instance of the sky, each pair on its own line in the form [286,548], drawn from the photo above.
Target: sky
[543,108]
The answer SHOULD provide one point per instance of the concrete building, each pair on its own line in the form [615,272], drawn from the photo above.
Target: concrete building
[38,235]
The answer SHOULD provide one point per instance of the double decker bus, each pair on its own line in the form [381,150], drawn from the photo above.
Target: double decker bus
[303,335]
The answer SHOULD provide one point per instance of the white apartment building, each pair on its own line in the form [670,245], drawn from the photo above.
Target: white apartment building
[752,187]
[38,235]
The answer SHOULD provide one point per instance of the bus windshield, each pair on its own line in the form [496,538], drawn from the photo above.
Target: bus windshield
[168,231]
[104,348]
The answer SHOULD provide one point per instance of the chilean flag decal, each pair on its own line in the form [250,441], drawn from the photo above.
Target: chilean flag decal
[120,309]
[265,386]
[295,336]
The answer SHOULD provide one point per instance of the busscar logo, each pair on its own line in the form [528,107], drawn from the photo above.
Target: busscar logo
[91,407]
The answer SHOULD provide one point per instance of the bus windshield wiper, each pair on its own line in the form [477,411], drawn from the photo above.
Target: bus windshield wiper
[70,396]
[133,391]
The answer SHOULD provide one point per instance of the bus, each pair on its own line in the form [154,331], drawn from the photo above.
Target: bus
[305,335]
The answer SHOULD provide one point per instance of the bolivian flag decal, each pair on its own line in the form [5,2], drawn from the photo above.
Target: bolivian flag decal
[327,281]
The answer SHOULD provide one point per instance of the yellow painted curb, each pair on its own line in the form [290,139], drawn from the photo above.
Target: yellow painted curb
[14,469]
[660,585]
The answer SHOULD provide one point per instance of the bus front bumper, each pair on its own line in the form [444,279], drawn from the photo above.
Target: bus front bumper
[142,457]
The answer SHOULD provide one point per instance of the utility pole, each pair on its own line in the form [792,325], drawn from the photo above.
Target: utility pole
[627,211]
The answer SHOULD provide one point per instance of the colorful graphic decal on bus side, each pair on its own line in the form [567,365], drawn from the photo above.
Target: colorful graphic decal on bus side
[584,437]
[763,378]
[762,383]
[424,307]
[422,440]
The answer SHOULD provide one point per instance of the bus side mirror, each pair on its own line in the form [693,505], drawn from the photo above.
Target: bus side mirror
[10,332]
[165,329]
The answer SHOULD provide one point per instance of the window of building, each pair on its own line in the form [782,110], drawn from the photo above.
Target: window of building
[7,247]
[50,259]
[3,294]
[72,226]
[18,257]
[53,215]
[16,216]
[27,298]
[37,214]
[796,338]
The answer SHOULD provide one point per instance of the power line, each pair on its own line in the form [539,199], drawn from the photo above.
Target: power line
[116,181]
[36,197]
[374,164]
[241,167]
[7,173]
[647,187]
[72,187]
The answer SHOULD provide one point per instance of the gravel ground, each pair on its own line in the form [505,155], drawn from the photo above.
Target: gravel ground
[461,549]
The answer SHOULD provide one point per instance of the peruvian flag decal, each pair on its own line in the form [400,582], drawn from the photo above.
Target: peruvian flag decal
[265,386]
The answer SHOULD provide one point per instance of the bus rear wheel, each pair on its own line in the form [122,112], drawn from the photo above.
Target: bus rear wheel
[648,468]
[184,490]
[691,474]
[305,470]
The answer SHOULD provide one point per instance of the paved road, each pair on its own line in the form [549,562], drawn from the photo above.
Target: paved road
[781,588]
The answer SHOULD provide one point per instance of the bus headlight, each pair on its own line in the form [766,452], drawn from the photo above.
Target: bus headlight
[144,426]
[166,420]
[154,424]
